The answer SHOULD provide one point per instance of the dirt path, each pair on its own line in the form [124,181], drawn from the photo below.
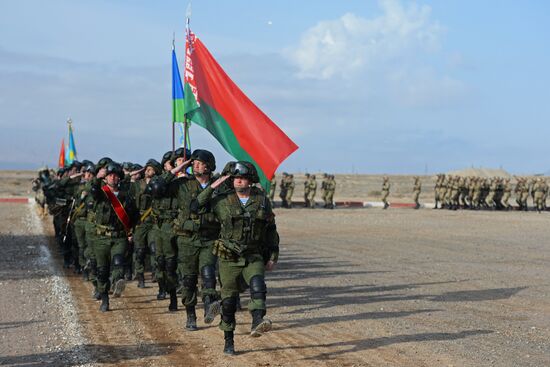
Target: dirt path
[353,288]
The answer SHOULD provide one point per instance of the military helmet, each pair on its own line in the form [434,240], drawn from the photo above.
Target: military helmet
[76,164]
[103,162]
[61,171]
[245,169]
[182,153]
[89,166]
[206,157]
[136,167]
[155,164]
[127,166]
[228,168]
[156,187]
[166,157]
[115,168]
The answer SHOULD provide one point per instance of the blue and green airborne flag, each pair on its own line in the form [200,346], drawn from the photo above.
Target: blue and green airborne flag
[178,111]
[71,150]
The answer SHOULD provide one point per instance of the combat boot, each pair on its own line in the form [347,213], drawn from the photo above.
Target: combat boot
[104,307]
[211,309]
[96,295]
[259,324]
[120,285]
[191,323]
[141,280]
[173,301]
[128,273]
[161,294]
[229,347]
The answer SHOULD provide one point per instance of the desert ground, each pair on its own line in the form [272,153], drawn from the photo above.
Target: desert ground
[353,287]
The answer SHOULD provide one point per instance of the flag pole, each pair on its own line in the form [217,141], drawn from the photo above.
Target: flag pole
[173,112]
[185,120]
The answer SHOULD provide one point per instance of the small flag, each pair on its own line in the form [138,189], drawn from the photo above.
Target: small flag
[71,154]
[61,160]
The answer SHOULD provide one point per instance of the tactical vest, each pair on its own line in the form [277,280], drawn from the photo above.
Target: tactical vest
[244,225]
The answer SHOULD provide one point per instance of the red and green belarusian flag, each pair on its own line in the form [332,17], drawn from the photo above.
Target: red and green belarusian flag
[213,101]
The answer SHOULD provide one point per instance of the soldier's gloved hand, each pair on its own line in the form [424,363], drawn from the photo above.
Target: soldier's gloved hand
[219,181]
[270,265]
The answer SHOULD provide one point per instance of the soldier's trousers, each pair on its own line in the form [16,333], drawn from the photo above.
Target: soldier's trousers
[80,234]
[144,245]
[330,198]
[288,198]
[89,253]
[167,256]
[235,277]
[109,253]
[416,195]
[195,259]
[385,195]
[311,199]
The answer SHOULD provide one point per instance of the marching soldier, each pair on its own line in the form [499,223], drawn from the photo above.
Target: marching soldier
[272,187]
[143,232]
[114,215]
[306,191]
[330,189]
[289,190]
[312,189]
[247,247]
[416,191]
[283,191]
[385,191]
[197,228]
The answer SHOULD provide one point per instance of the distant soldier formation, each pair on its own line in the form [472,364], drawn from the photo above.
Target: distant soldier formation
[458,192]
[287,185]
[207,237]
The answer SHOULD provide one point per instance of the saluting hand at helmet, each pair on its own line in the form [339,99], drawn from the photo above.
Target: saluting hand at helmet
[219,181]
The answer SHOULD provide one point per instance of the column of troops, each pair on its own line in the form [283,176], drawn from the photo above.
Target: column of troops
[201,235]
[454,192]
[286,190]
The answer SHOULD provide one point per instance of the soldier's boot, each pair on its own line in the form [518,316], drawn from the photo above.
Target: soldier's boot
[191,323]
[259,324]
[120,285]
[212,308]
[161,294]
[141,280]
[153,278]
[85,274]
[96,295]
[128,273]
[67,261]
[173,301]
[104,307]
[229,346]
[77,268]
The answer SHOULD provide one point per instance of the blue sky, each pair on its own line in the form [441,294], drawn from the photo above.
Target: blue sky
[365,86]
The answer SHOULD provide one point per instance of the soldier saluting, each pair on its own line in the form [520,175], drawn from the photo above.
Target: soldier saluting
[114,214]
[248,245]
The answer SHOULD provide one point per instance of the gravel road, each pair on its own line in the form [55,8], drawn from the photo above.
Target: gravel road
[353,288]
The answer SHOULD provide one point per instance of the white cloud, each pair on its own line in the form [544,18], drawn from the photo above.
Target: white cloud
[350,44]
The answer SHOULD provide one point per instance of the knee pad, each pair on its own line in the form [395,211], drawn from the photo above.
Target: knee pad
[208,273]
[118,260]
[258,288]
[171,265]
[153,247]
[140,254]
[229,307]
[161,263]
[103,274]
[190,281]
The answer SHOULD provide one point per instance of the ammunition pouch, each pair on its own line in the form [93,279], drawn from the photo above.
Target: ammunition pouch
[105,231]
